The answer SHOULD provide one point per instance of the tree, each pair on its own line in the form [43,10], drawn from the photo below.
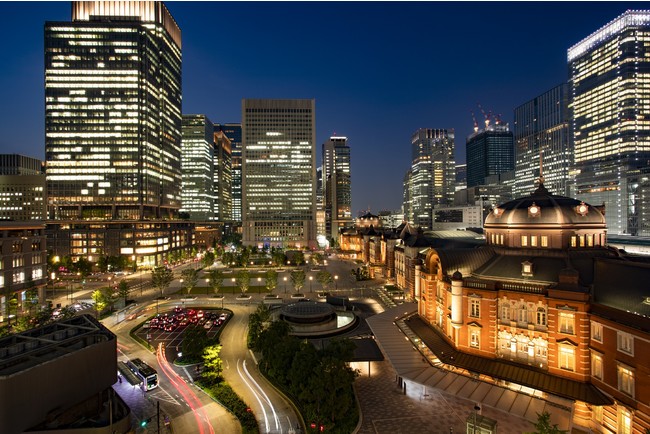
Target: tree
[316,258]
[543,425]
[100,301]
[216,280]
[123,290]
[243,280]
[298,279]
[109,296]
[244,256]
[278,258]
[195,339]
[208,259]
[162,277]
[84,267]
[190,278]
[102,264]
[324,277]
[271,280]
[212,365]
[299,258]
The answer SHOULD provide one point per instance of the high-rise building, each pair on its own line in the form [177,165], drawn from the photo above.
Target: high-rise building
[198,192]
[279,172]
[320,203]
[461,177]
[490,151]
[432,174]
[223,176]
[22,188]
[113,133]
[233,132]
[542,142]
[113,111]
[609,72]
[337,188]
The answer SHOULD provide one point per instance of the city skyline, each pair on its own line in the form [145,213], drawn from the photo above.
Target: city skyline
[381,83]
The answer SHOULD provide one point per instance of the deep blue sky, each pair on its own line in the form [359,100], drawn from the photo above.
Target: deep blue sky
[378,70]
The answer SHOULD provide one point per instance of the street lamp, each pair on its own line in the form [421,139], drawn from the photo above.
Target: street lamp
[259,282]
[207,286]
[233,285]
[285,284]
[181,280]
[310,279]
[336,282]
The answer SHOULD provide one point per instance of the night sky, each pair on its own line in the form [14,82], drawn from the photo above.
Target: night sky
[378,71]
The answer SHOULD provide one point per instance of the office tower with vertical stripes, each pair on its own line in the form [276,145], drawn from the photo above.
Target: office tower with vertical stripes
[279,173]
[337,186]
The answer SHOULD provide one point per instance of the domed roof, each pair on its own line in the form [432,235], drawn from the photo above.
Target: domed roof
[544,209]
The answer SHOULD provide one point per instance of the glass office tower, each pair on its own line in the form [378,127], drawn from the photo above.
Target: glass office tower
[542,141]
[609,73]
[113,112]
[233,133]
[337,186]
[197,167]
[430,180]
[489,152]
[279,173]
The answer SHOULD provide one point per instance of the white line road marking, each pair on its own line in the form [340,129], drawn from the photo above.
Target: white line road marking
[268,401]
[266,419]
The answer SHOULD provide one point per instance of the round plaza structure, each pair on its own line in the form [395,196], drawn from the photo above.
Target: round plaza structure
[314,319]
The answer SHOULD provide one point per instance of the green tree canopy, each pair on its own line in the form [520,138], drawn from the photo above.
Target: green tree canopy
[324,277]
[243,279]
[298,279]
[162,277]
[123,290]
[216,280]
[100,301]
[271,280]
[190,278]
[212,364]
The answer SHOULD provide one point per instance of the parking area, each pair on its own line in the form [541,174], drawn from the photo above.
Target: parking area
[168,327]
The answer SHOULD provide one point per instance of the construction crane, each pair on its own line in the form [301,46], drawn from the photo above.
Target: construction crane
[486,116]
[475,123]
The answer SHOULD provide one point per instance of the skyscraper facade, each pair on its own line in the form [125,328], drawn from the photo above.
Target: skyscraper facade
[233,132]
[278,173]
[490,151]
[337,187]
[198,168]
[22,188]
[542,142]
[609,72]
[432,174]
[223,176]
[113,111]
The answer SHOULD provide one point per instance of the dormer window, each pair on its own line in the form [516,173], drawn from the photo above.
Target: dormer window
[534,210]
[527,268]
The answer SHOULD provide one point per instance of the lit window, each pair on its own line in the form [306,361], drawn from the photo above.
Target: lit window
[566,322]
[573,241]
[526,268]
[475,308]
[505,312]
[475,337]
[533,240]
[524,240]
[597,332]
[567,357]
[625,343]
[544,241]
[625,376]
[597,366]
[541,316]
[624,421]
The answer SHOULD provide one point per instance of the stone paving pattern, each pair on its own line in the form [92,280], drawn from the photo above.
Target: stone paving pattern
[387,410]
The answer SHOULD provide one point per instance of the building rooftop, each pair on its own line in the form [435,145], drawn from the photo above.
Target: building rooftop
[22,351]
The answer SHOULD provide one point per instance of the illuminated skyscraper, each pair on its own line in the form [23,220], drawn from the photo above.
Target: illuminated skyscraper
[223,176]
[233,133]
[489,152]
[113,111]
[279,172]
[609,74]
[337,188]
[542,131]
[198,169]
[431,178]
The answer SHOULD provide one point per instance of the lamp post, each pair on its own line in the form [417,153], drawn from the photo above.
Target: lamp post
[336,282]
[233,285]
[310,279]
[181,280]
[285,284]
[259,282]
[207,286]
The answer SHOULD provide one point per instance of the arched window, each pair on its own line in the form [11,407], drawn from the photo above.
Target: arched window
[541,317]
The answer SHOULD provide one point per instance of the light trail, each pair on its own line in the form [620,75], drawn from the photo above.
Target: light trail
[266,419]
[188,395]
[266,398]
